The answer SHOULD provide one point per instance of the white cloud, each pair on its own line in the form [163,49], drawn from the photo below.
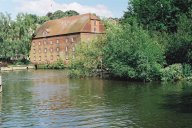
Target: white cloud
[42,7]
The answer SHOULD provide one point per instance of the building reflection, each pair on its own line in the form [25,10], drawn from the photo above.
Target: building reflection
[55,91]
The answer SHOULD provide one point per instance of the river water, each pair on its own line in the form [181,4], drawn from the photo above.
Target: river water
[48,99]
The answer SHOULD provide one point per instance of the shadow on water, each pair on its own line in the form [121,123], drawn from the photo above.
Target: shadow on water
[179,101]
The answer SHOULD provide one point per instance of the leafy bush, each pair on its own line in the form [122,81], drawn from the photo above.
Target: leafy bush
[57,65]
[172,72]
[179,49]
[88,58]
[131,53]
[187,70]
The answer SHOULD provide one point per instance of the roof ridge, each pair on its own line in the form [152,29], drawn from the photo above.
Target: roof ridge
[71,17]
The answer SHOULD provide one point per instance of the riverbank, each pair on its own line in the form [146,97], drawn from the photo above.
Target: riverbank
[17,67]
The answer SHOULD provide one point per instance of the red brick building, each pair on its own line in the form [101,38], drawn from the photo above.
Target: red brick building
[56,39]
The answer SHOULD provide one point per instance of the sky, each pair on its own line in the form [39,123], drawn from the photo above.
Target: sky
[103,8]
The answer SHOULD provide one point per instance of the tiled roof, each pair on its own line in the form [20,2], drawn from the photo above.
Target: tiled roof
[67,25]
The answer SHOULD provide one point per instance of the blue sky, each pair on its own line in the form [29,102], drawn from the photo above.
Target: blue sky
[106,8]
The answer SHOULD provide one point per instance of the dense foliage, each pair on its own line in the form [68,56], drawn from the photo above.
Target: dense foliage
[125,51]
[172,17]
[161,15]
[130,52]
[59,14]
[15,36]
[88,59]
[152,41]
[170,22]
[57,65]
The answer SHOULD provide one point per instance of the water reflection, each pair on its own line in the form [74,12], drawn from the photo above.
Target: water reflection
[17,108]
[47,98]
[180,101]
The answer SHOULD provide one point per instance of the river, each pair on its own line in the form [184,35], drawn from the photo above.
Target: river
[48,99]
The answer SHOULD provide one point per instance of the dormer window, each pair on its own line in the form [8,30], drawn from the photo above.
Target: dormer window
[65,23]
[45,33]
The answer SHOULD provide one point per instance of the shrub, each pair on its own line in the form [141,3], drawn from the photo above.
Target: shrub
[88,58]
[131,53]
[172,72]
[187,70]
[57,65]
[126,51]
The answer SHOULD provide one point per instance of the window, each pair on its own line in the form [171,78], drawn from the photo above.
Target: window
[95,29]
[51,57]
[45,50]
[51,49]
[73,49]
[57,41]
[44,33]
[33,44]
[39,43]
[66,52]
[51,42]
[73,54]
[39,58]
[72,39]
[95,22]
[66,40]
[34,58]
[58,57]
[45,42]
[57,49]
[45,58]
[34,51]
[67,56]
[39,50]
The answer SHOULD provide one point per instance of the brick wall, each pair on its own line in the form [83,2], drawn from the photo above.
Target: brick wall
[49,50]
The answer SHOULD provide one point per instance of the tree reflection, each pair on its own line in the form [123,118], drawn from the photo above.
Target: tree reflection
[180,101]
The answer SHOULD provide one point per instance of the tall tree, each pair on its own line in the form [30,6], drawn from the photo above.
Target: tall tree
[161,15]
[60,14]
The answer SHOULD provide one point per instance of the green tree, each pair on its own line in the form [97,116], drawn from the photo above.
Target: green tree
[161,15]
[60,14]
[16,35]
[131,53]
[179,50]
[6,34]
[88,58]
